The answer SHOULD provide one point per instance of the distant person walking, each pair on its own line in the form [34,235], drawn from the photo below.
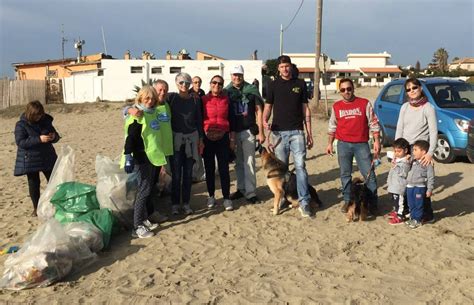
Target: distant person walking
[351,121]
[247,106]
[286,96]
[34,137]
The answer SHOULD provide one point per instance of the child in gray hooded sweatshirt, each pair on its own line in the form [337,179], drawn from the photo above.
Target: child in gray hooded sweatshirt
[397,181]
[420,183]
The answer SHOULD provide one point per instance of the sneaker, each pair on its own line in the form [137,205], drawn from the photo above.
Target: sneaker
[150,225]
[228,205]
[175,209]
[391,215]
[253,200]
[187,209]
[236,195]
[396,220]
[373,210]
[413,224]
[158,218]
[211,202]
[143,232]
[345,207]
[305,211]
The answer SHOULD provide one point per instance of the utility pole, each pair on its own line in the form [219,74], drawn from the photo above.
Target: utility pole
[281,39]
[63,40]
[317,72]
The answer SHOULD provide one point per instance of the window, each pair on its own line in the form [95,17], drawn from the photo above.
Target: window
[175,69]
[52,73]
[156,70]
[392,94]
[136,69]
[214,68]
[207,57]
[100,72]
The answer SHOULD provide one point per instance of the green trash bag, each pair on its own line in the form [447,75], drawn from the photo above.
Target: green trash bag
[65,217]
[103,219]
[75,197]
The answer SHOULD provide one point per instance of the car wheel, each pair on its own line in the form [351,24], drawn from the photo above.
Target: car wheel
[383,138]
[444,152]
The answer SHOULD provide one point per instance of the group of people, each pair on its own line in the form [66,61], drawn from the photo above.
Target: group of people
[181,129]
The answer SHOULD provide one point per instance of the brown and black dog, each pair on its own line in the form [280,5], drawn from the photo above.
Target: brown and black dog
[359,204]
[282,183]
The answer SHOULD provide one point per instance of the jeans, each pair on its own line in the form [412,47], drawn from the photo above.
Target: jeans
[221,150]
[143,206]
[416,201]
[346,151]
[34,183]
[245,163]
[181,168]
[294,141]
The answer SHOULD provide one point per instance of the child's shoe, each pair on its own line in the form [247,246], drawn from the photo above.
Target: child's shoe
[426,220]
[150,225]
[143,232]
[228,205]
[396,220]
[391,215]
[414,224]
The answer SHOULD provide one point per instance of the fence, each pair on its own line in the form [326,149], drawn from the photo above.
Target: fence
[20,92]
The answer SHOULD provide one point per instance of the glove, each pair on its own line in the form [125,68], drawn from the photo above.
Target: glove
[129,164]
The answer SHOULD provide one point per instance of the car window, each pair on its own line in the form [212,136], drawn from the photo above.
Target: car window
[392,94]
[453,95]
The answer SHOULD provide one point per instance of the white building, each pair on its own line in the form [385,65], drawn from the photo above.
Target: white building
[463,63]
[372,69]
[117,78]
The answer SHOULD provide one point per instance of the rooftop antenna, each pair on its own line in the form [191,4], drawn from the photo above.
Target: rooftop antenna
[103,39]
[63,40]
[78,46]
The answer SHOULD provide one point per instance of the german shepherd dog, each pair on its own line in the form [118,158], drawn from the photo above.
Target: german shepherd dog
[359,204]
[282,183]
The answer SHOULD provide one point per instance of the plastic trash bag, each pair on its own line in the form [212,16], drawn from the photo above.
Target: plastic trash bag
[75,197]
[63,171]
[115,189]
[46,257]
[102,219]
[86,232]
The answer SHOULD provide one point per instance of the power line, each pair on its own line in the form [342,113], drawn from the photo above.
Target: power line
[297,11]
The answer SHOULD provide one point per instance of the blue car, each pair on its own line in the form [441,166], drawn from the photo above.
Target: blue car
[453,101]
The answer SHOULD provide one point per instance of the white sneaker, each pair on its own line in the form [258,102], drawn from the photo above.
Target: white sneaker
[211,202]
[150,225]
[143,232]
[175,209]
[187,209]
[228,205]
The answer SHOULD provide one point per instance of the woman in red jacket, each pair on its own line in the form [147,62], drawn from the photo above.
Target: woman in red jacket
[218,140]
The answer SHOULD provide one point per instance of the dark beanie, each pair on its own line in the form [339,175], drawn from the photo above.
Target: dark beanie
[284,59]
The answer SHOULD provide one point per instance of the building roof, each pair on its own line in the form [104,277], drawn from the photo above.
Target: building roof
[209,54]
[465,60]
[44,62]
[369,55]
[343,70]
[381,70]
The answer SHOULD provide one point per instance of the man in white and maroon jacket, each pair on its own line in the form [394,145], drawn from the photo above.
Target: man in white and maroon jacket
[352,119]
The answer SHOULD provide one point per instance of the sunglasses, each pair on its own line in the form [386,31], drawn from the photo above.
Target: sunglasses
[348,89]
[217,83]
[414,88]
[184,83]
[196,82]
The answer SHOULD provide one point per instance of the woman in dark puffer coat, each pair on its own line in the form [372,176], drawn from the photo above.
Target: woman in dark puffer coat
[34,135]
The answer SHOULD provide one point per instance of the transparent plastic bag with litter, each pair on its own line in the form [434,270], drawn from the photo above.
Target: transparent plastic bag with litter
[63,171]
[46,257]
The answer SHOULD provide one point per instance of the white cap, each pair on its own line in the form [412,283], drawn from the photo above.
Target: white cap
[237,70]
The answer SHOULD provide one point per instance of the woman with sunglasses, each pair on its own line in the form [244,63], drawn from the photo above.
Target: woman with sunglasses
[417,121]
[219,138]
[186,123]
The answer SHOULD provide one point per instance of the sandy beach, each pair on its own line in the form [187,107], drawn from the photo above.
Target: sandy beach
[248,255]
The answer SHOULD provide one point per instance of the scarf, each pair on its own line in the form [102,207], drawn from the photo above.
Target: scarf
[144,109]
[419,102]
[243,93]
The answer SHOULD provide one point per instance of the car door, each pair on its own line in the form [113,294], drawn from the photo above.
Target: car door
[388,108]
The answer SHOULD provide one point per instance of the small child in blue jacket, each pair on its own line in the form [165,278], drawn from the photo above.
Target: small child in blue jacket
[420,184]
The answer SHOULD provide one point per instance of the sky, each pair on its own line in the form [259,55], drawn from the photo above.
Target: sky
[30,30]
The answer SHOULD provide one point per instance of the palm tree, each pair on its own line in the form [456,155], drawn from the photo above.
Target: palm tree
[441,59]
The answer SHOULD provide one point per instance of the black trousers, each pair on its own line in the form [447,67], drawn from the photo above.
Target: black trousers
[148,175]
[221,150]
[34,185]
